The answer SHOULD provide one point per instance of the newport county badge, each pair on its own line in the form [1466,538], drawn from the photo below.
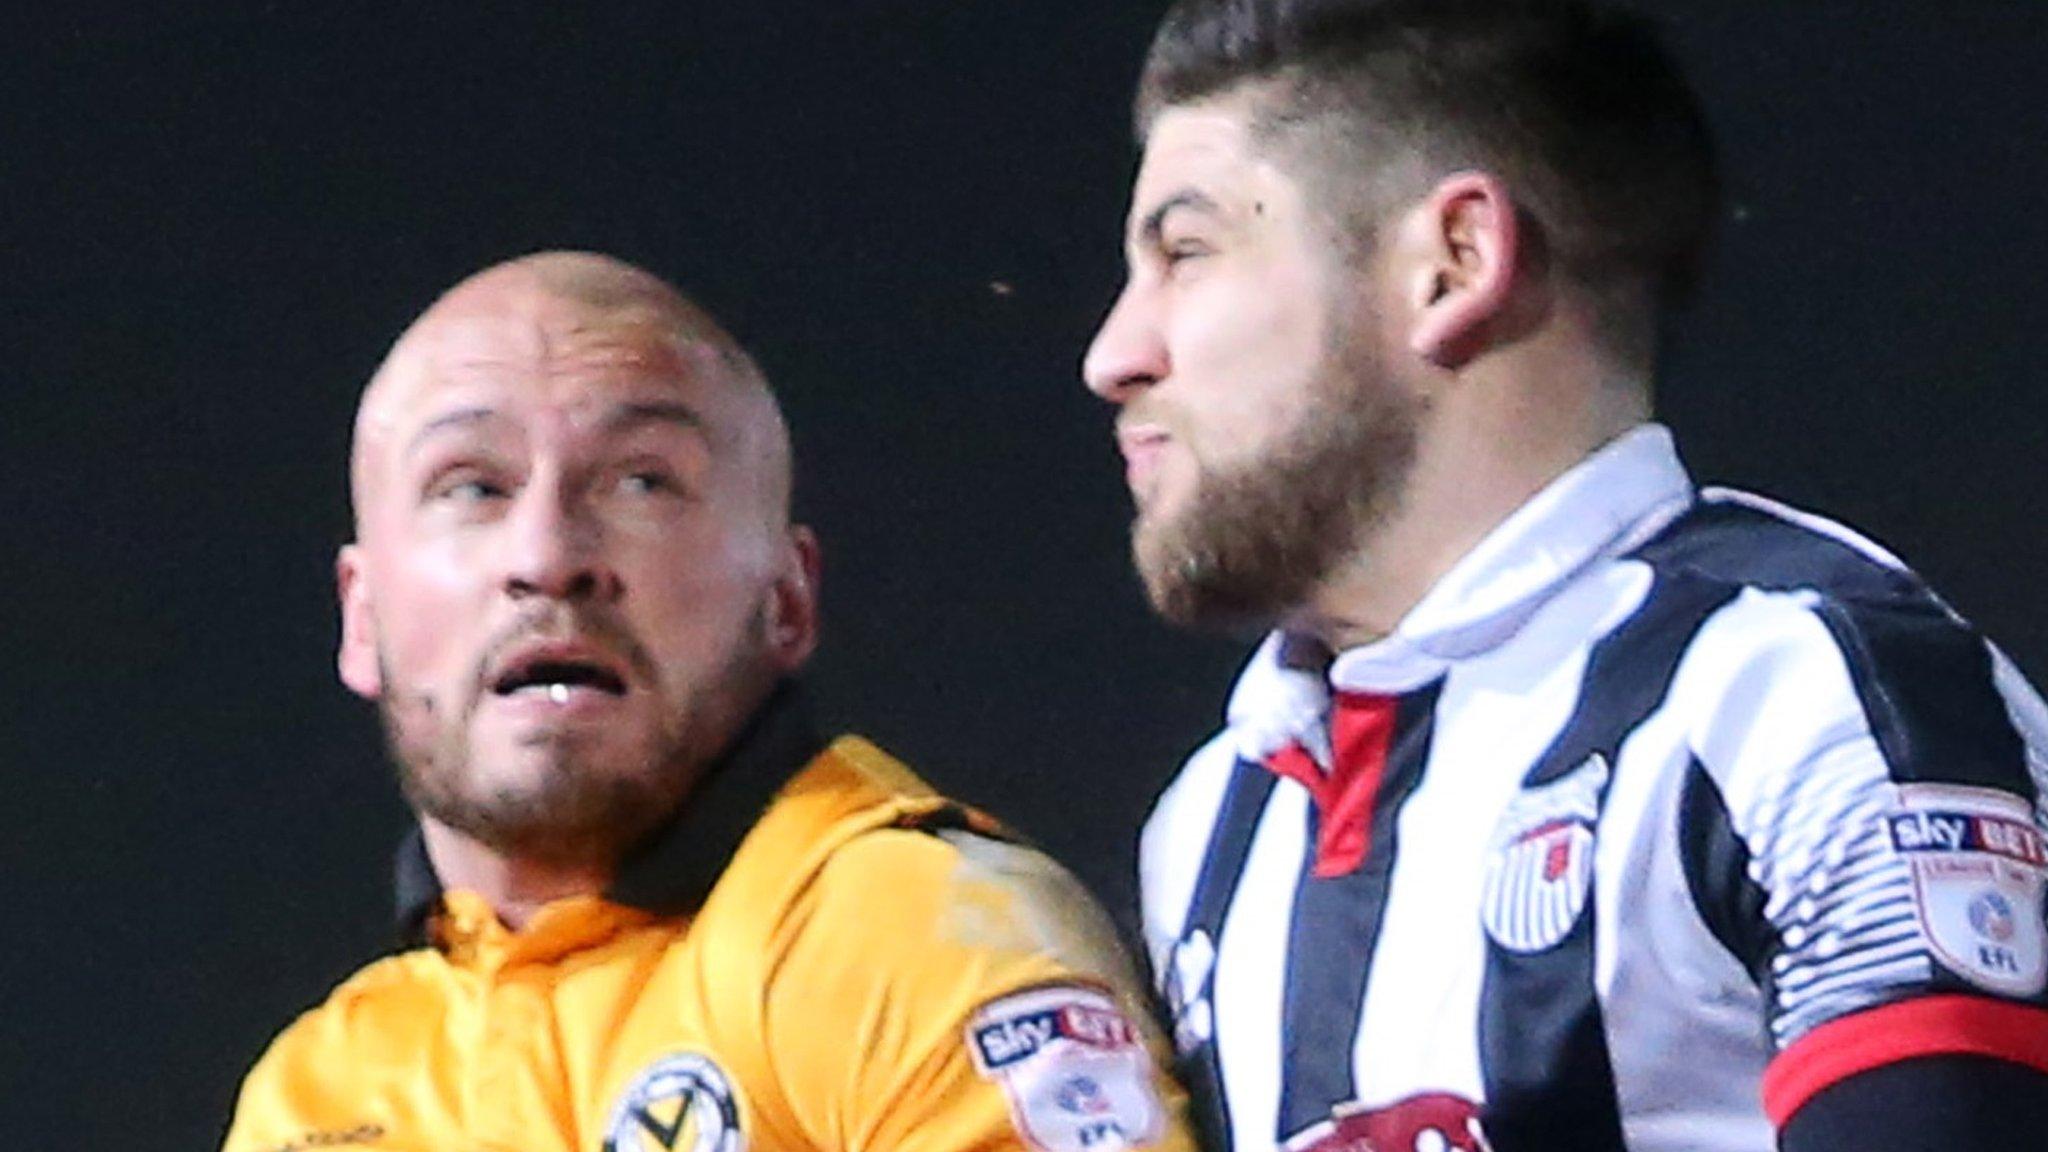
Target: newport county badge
[680,1103]
[1541,867]
[1073,1066]
[1980,867]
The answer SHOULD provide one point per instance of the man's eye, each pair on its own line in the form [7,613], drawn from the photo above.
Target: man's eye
[646,482]
[467,490]
[1180,251]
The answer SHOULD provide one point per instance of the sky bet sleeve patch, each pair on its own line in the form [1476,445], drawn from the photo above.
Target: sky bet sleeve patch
[1979,867]
[1075,1069]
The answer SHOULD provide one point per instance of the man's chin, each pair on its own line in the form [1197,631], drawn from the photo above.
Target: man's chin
[559,793]
[1192,589]
[1175,592]
[521,731]
[540,764]
[542,806]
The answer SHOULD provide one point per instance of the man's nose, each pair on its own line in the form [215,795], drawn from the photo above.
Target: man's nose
[554,548]
[1128,353]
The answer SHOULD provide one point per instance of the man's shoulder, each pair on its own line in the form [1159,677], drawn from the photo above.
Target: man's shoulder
[893,862]
[935,909]
[847,791]
[1749,541]
[855,763]
[1796,588]
[391,1004]
[1801,603]
[1189,802]
[1824,659]
[946,885]
[938,950]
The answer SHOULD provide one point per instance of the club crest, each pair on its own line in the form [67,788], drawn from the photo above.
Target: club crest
[680,1103]
[1540,871]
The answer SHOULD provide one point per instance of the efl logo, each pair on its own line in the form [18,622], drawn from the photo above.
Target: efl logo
[1951,831]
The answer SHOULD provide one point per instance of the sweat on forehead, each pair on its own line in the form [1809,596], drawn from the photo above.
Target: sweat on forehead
[564,311]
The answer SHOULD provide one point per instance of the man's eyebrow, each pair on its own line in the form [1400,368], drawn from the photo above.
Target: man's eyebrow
[625,417]
[1190,198]
[459,418]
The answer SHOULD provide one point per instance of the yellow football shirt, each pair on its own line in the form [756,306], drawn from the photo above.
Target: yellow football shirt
[820,953]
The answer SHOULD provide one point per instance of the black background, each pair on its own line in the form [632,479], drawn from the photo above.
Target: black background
[215,221]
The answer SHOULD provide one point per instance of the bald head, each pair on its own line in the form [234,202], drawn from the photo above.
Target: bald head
[549,315]
[574,575]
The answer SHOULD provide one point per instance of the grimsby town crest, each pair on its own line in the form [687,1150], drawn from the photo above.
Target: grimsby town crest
[1541,866]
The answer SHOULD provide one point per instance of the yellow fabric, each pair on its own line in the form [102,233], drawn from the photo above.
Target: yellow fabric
[829,977]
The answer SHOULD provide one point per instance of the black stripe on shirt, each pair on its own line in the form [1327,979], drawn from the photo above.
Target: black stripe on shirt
[1543,1044]
[1333,934]
[1716,865]
[1925,681]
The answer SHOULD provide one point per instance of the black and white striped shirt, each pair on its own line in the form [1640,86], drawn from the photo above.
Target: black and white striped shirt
[1663,811]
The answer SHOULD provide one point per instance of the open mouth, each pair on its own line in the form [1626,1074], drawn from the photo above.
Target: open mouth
[556,678]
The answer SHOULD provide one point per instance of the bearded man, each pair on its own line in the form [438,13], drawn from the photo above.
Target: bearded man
[646,905]
[1566,805]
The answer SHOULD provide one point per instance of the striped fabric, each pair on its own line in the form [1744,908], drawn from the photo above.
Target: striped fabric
[1666,781]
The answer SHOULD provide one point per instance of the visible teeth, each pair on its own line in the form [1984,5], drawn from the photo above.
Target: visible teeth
[559,693]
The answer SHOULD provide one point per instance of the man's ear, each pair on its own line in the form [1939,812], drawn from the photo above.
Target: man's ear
[357,658]
[793,603]
[1461,249]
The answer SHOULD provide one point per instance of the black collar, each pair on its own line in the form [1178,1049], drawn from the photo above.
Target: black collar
[674,870]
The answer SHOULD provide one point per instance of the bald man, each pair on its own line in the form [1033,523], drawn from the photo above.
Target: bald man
[645,906]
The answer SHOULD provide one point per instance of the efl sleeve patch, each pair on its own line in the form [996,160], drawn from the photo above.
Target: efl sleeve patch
[1875,891]
[1075,1069]
[1979,868]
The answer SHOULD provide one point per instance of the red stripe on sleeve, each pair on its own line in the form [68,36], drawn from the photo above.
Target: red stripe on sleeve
[1925,1026]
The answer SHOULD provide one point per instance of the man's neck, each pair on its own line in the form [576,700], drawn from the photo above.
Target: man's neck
[1488,451]
[515,888]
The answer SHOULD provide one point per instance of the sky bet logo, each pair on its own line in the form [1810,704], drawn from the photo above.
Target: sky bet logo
[1936,831]
[1019,1037]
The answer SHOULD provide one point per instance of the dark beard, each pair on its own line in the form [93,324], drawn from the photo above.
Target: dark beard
[1257,540]
[578,815]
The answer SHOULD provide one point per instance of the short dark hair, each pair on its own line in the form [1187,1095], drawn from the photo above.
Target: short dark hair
[1580,110]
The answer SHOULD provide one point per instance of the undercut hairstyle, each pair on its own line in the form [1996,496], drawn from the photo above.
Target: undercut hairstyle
[1579,109]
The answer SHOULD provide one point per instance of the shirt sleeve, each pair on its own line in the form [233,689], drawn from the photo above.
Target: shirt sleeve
[312,1085]
[1863,828]
[1927,1104]
[951,991]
